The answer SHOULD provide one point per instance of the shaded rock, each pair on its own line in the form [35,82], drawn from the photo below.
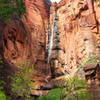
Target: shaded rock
[2,26]
[36,20]
[37,90]
[90,70]
[88,67]
[16,42]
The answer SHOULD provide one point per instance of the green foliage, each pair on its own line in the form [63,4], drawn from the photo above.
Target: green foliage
[53,95]
[2,96]
[98,1]
[99,5]
[92,59]
[7,8]
[75,89]
[21,83]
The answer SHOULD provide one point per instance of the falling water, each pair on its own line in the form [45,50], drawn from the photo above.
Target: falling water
[51,40]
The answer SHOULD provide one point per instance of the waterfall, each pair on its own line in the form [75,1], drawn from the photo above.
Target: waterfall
[51,39]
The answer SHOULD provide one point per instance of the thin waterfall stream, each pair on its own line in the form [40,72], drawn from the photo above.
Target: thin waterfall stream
[51,40]
[50,44]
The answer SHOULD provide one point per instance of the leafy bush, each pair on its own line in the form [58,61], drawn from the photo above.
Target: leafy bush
[7,8]
[2,96]
[53,95]
[75,89]
[21,83]
[92,59]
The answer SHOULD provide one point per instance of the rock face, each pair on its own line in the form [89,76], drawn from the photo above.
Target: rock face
[36,20]
[25,40]
[76,36]
[78,32]
[16,42]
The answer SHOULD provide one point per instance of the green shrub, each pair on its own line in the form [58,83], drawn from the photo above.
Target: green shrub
[75,89]
[2,95]
[92,59]
[53,95]
[21,83]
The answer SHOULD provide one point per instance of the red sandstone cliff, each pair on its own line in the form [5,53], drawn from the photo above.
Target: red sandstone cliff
[25,40]
[78,35]
[36,20]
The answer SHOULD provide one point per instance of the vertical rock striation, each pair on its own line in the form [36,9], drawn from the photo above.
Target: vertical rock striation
[16,42]
[36,20]
[25,40]
[78,32]
[76,36]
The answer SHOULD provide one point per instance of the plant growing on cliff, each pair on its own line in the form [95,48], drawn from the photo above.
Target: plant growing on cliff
[21,83]
[98,3]
[8,7]
[2,94]
[92,59]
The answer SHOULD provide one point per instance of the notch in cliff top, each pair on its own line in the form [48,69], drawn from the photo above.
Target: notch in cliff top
[55,1]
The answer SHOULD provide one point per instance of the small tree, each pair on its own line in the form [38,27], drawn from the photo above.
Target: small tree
[21,83]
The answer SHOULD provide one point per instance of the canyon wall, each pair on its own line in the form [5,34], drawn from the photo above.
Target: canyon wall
[76,36]
[78,30]
[24,40]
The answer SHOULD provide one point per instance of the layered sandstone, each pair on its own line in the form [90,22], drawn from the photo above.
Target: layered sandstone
[16,42]
[77,33]
[36,20]
[25,40]
[76,37]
